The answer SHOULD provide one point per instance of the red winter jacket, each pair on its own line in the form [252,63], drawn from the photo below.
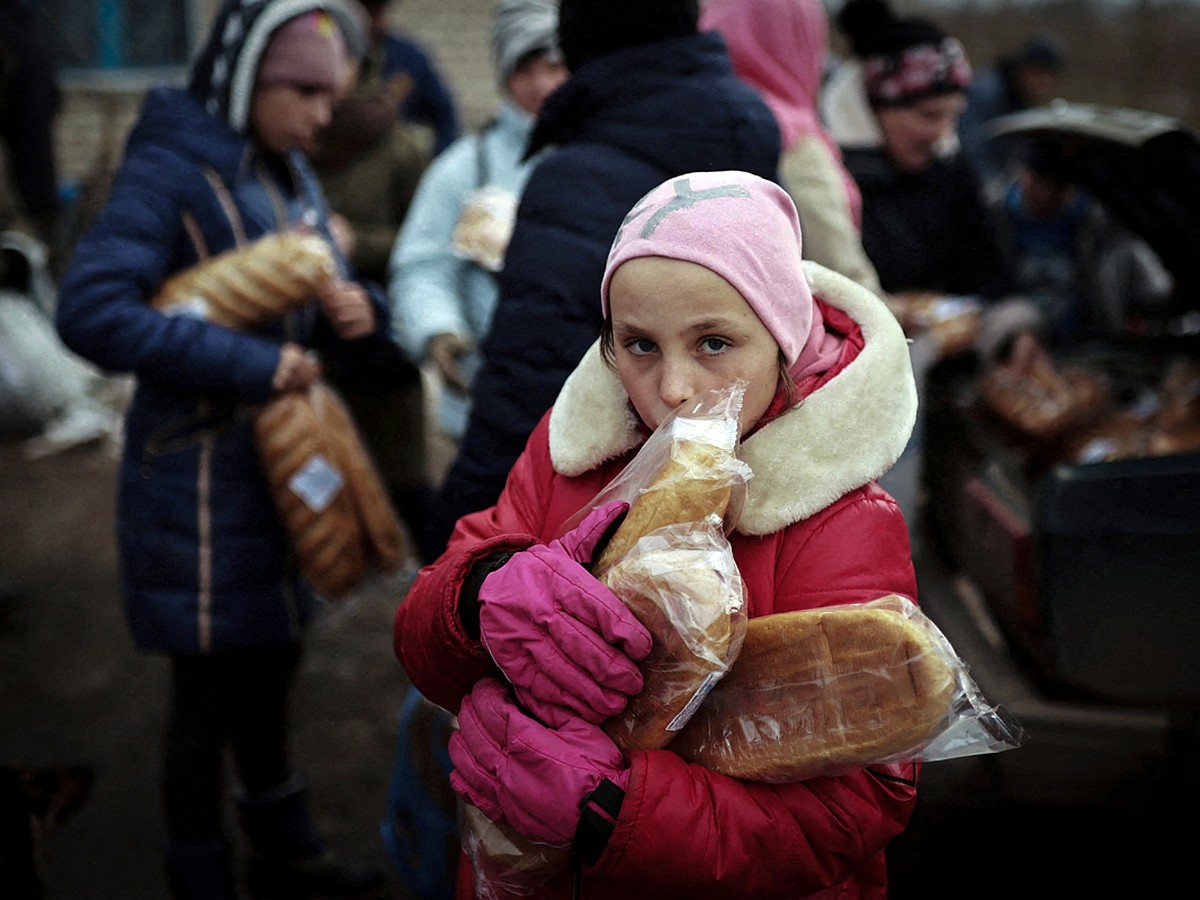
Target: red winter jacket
[815,531]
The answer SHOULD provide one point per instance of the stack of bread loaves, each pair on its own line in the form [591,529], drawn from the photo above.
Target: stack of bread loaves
[329,496]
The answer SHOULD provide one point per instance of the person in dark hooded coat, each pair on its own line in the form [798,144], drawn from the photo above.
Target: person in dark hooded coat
[648,97]
[208,575]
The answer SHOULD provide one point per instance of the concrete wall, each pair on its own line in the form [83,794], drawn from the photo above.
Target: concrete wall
[1136,55]
[98,110]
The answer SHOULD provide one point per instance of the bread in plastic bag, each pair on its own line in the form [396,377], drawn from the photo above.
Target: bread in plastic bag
[822,691]
[328,494]
[670,562]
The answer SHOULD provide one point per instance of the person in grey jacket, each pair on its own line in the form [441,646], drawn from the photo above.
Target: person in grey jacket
[442,283]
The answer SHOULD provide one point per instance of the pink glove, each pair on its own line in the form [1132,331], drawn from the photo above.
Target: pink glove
[565,642]
[521,773]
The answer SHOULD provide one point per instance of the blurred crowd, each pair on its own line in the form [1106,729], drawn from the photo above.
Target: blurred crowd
[470,261]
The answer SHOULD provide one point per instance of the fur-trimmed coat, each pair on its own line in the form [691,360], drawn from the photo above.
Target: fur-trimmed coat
[816,531]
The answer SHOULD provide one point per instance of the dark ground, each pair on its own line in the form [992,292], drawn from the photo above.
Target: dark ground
[73,690]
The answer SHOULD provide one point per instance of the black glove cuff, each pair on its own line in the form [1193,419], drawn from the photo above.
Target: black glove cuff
[597,820]
[468,597]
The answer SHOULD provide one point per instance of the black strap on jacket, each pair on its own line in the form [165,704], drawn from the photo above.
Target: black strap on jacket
[598,813]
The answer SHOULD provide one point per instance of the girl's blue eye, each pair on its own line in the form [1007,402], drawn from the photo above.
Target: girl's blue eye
[639,346]
[713,344]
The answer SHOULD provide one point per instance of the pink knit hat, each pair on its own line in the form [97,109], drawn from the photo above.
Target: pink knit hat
[308,49]
[743,228]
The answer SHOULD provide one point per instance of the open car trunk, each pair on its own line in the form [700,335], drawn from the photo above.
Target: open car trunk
[1086,544]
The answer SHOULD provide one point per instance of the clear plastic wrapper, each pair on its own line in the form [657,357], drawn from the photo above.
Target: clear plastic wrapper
[823,691]
[484,227]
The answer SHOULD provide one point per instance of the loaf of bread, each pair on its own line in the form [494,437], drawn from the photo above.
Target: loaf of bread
[670,563]
[382,535]
[682,584]
[693,484]
[326,490]
[820,691]
[1043,402]
[252,284]
[484,227]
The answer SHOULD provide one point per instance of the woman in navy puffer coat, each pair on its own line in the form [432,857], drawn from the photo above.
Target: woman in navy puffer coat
[207,573]
[648,97]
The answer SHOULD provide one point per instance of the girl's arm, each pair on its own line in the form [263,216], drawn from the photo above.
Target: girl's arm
[429,639]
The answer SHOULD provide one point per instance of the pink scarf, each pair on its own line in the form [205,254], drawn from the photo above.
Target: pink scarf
[779,47]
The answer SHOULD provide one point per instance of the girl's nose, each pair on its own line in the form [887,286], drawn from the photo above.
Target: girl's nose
[676,384]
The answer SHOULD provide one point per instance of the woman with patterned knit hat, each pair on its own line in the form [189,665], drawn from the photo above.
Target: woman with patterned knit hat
[893,109]
[208,575]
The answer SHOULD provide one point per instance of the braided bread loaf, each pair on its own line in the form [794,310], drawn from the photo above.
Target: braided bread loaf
[326,490]
[253,284]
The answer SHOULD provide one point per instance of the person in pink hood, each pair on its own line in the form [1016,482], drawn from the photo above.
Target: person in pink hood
[779,48]
[704,286]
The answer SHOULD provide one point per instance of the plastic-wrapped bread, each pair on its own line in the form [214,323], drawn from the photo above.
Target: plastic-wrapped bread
[694,483]
[670,563]
[253,284]
[301,459]
[819,691]
[681,582]
[382,534]
[329,497]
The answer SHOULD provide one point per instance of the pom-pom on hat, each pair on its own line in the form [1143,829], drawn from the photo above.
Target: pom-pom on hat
[743,228]
[521,28]
[904,59]
[588,29]
[308,49]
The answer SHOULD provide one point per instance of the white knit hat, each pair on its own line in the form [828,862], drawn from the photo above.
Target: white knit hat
[521,27]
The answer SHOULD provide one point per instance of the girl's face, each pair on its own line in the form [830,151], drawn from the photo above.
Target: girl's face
[680,329]
[913,133]
[287,116]
[535,80]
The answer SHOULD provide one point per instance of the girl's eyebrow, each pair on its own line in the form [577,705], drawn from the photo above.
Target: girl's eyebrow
[722,325]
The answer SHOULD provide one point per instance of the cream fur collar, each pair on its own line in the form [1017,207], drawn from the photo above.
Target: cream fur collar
[845,434]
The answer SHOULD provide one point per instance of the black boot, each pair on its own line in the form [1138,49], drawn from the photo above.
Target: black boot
[200,871]
[287,860]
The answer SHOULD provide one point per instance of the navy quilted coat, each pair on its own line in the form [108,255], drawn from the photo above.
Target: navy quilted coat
[205,564]
[618,127]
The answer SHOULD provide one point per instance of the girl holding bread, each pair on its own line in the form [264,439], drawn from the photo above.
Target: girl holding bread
[704,286]
[208,575]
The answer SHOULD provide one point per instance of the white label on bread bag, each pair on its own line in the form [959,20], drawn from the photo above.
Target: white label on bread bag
[697,698]
[193,307]
[316,483]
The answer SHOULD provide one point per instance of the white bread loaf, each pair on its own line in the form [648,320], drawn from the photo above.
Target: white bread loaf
[820,691]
